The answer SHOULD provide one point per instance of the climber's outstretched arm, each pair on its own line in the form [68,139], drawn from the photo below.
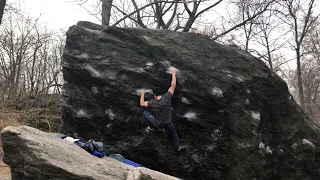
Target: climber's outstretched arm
[173,81]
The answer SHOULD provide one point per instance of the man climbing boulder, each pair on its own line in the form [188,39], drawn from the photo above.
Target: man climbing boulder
[162,111]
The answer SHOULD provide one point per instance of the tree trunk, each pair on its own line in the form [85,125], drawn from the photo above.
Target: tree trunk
[299,76]
[189,24]
[106,12]
[269,53]
[2,5]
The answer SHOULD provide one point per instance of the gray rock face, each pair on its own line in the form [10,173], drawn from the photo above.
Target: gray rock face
[235,117]
[33,154]
[2,5]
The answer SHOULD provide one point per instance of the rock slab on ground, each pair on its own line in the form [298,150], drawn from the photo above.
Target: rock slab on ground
[236,118]
[33,154]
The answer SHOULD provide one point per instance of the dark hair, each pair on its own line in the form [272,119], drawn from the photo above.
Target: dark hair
[148,96]
[157,92]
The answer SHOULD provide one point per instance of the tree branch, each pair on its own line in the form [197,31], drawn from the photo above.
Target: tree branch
[138,14]
[244,22]
[139,9]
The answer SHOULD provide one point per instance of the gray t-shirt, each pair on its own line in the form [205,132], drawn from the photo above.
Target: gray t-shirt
[162,110]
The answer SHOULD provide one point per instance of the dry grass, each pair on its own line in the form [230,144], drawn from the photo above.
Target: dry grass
[9,118]
[44,119]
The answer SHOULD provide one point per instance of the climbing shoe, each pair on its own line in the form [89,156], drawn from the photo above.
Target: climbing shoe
[149,128]
[180,148]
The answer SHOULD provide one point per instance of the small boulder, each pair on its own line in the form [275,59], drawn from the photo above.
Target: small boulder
[34,154]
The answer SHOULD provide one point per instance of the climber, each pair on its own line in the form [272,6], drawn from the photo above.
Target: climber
[162,111]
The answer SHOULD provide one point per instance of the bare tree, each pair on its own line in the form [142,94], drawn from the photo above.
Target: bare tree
[262,8]
[160,14]
[182,16]
[15,42]
[311,74]
[313,44]
[271,35]
[301,20]
[246,9]
[311,83]
[29,64]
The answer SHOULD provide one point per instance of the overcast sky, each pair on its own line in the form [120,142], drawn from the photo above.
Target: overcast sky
[57,14]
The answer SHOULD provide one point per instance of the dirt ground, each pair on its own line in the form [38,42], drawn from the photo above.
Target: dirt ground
[5,173]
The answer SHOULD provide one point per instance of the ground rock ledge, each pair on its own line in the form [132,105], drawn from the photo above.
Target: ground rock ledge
[34,154]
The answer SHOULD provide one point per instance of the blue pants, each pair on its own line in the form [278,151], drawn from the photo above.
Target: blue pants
[149,118]
[168,126]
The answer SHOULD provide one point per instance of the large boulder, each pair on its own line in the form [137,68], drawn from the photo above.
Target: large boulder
[2,5]
[236,118]
[34,154]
